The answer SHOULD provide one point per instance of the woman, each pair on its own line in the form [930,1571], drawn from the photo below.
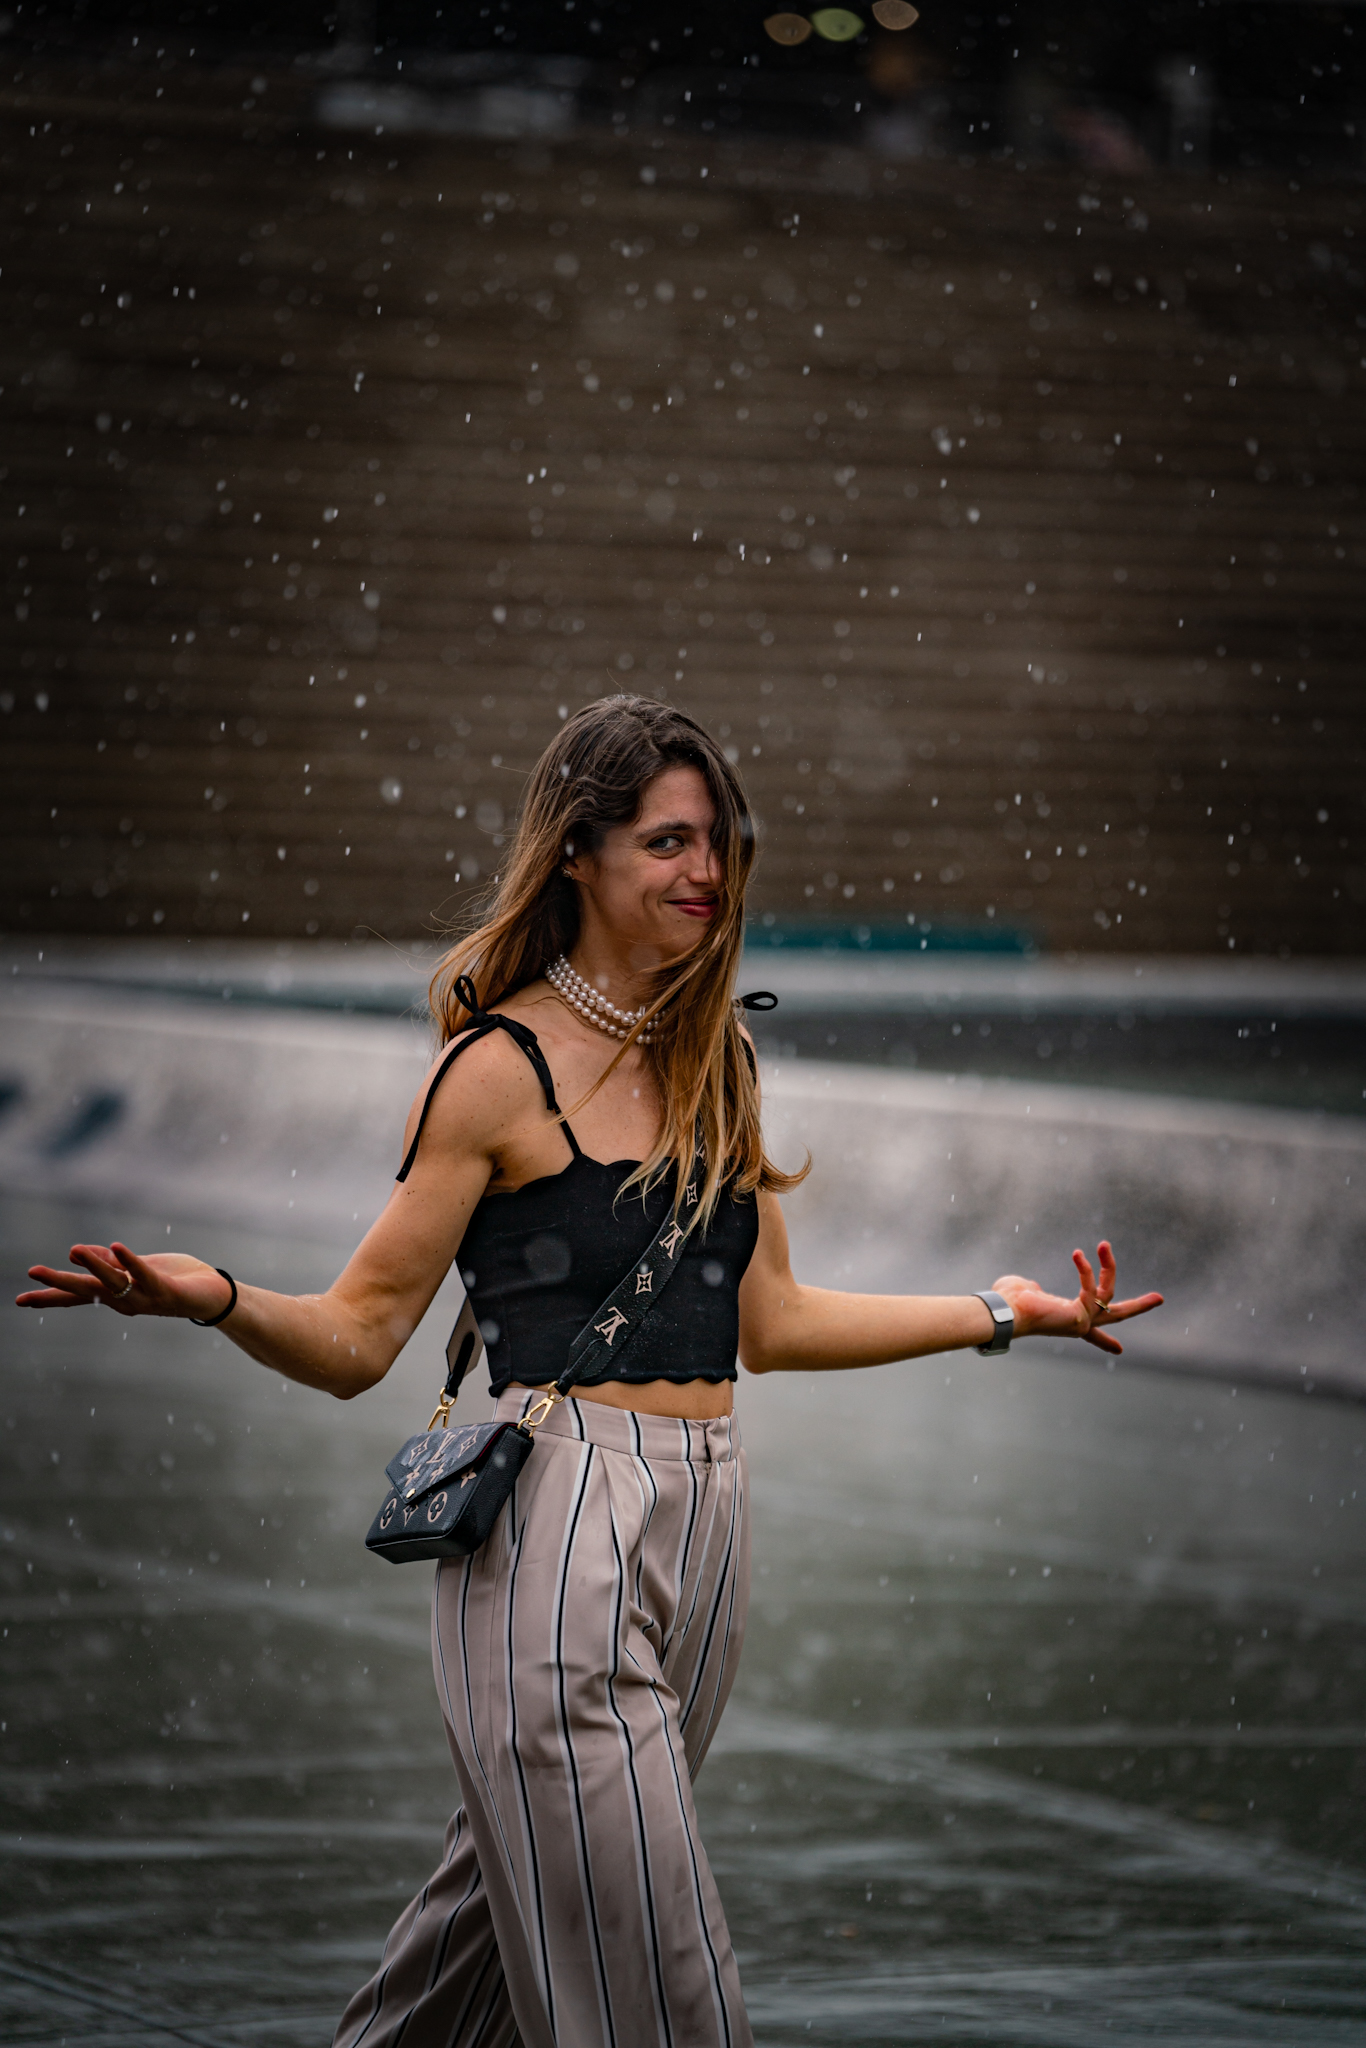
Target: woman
[584,1654]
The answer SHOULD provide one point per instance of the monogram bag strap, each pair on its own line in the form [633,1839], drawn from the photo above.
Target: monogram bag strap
[464,1349]
[634,1299]
[607,1332]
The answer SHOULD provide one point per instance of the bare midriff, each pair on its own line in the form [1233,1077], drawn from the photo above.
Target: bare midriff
[693,1400]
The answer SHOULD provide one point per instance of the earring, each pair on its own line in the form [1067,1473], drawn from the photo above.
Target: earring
[567,875]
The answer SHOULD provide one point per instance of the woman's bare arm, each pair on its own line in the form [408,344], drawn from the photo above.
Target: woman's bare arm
[787,1327]
[346,1339]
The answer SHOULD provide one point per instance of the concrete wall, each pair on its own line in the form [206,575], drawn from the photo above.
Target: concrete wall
[1253,1222]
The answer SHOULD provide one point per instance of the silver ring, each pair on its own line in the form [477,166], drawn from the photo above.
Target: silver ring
[124,1290]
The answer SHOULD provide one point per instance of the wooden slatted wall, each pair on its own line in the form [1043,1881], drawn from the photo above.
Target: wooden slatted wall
[1007,524]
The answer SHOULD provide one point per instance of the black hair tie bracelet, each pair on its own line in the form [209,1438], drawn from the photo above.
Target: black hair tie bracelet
[212,1322]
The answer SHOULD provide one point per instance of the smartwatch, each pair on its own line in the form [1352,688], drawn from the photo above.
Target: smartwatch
[1004,1318]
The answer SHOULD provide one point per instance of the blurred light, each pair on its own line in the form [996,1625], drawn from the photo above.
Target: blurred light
[895,13]
[837,24]
[788,28]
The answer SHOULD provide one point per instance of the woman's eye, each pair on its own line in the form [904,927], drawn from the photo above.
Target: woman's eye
[669,842]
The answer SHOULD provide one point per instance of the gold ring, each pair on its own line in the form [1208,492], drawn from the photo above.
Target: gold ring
[124,1290]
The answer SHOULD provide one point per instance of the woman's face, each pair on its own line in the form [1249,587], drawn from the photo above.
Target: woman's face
[656,883]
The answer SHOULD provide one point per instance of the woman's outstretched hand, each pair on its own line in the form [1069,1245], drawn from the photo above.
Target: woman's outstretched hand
[165,1284]
[1086,1315]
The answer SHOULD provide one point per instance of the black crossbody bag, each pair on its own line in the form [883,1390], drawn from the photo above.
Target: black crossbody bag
[448,1486]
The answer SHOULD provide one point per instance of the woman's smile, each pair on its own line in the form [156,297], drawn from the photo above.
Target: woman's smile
[693,906]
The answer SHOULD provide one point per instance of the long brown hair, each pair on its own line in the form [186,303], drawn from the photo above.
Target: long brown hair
[593,775]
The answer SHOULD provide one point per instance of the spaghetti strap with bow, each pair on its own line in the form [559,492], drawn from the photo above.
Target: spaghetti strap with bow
[482,1022]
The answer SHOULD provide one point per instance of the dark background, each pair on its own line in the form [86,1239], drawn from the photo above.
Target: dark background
[986,427]
[1287,78]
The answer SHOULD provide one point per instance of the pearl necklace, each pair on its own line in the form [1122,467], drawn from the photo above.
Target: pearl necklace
[586,1002]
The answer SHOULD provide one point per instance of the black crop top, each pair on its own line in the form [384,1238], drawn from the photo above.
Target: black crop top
[537,1262]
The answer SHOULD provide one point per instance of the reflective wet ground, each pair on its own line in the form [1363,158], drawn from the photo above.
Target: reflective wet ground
[1050,1729]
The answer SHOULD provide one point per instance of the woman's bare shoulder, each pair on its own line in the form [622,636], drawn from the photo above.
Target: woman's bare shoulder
[486,1080]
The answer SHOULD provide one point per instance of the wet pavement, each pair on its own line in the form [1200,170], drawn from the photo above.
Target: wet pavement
[1050,1727]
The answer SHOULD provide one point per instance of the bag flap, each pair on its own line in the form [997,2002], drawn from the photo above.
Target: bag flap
[435,1457]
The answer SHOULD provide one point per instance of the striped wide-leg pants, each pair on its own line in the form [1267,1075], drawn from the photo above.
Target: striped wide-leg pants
[583,1658]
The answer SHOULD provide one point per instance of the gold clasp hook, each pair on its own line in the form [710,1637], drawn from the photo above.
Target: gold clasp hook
[443,1411]
[539,1410]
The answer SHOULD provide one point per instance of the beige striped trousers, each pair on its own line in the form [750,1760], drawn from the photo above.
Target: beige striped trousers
[583,1658]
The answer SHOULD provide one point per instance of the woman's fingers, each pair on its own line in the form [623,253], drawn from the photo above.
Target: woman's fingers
[111,1266]
[76,1289]
[83,1284]
[111,1274]
[58,1289]
[133,1262]
[1098,1337]
[1097,1286]
[102,1262]
[1120,1311]
[1088,1298]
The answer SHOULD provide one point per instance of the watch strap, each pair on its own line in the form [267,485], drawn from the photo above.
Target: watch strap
[1004,1318]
